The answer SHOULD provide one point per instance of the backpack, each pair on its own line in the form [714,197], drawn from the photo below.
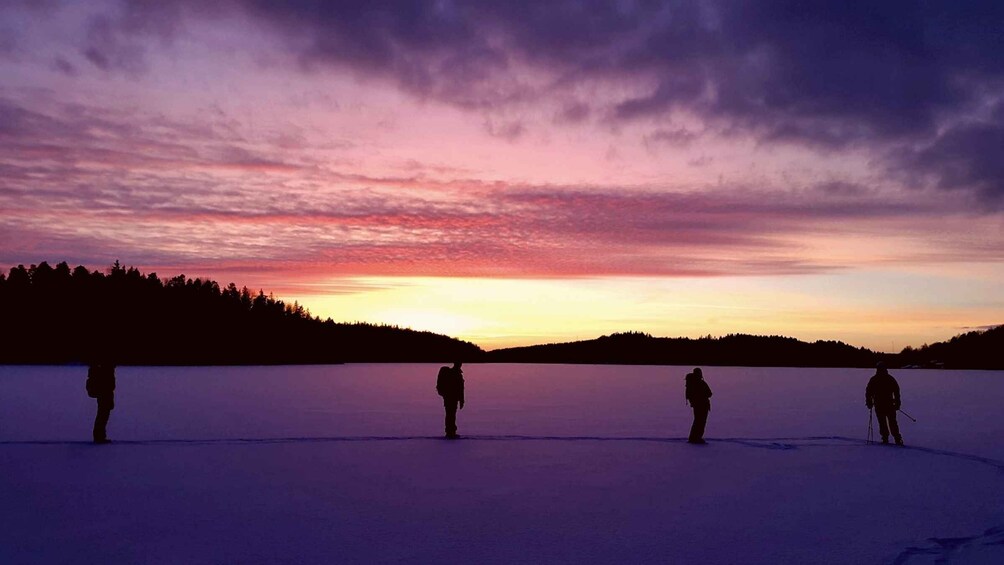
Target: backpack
[697,390]
[442,379]
[92,389]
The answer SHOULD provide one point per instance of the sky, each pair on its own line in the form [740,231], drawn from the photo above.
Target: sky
[524,172]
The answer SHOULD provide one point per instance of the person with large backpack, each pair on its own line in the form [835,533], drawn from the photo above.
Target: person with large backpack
[450,385]
[882,393]
[101,385]
[698,395]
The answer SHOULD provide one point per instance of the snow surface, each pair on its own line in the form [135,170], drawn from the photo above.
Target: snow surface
[585,464]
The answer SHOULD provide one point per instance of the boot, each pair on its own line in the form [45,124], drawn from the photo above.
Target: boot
[899,441]
[885,439]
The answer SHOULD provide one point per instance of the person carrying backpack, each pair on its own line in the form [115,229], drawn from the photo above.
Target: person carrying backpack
[101,385]
[698,395]
[882,393]
[450,385]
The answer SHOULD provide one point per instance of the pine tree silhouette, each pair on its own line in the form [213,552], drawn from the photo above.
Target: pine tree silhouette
[59,315]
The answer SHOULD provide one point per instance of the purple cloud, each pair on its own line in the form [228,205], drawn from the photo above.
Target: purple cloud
[908,84]
[967,156]
[833,76]
[824,74]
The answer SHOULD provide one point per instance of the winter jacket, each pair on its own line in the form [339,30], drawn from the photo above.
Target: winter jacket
[450,384]
[882,392]
[101,381]
[698,393]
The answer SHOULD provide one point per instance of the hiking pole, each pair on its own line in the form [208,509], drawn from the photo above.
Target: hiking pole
[871,435]
[907,415]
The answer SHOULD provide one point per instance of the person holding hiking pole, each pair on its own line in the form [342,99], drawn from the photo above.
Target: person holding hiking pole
[882,393]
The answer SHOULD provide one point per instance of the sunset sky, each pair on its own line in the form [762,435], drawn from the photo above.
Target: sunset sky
[524,172]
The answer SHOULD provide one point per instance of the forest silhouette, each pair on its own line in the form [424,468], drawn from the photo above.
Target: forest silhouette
[978,349]
[59,315]
[735,350]
[63,315]
[974,350]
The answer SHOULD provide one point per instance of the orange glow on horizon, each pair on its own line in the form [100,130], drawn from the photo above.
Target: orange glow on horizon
[496,313]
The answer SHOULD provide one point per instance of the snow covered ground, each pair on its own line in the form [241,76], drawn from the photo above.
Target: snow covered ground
[585,464]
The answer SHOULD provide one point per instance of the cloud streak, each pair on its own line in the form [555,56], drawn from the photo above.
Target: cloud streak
[177,204]
[893,76]
[914,88]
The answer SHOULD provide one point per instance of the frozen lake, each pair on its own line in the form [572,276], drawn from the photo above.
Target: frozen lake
[324,464]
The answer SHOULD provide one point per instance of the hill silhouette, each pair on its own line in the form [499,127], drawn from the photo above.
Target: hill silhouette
[59,315]
[982,349]
[63,315]
[634,348]
[973,350]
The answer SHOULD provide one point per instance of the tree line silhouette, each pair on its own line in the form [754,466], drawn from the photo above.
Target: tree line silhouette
[63,315]
[634,348]
[973,350]
[982,349]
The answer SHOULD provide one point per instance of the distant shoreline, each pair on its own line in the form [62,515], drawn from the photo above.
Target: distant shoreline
[59,315]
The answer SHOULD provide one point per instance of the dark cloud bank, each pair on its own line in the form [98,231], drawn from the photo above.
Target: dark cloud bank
[919,83]
[922,82]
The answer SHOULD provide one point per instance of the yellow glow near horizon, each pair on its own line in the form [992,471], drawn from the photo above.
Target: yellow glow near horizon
[497,313]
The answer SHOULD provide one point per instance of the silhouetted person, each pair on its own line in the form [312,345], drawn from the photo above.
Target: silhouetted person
[882,392]
[698,394]
[450,385]
[101,385]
